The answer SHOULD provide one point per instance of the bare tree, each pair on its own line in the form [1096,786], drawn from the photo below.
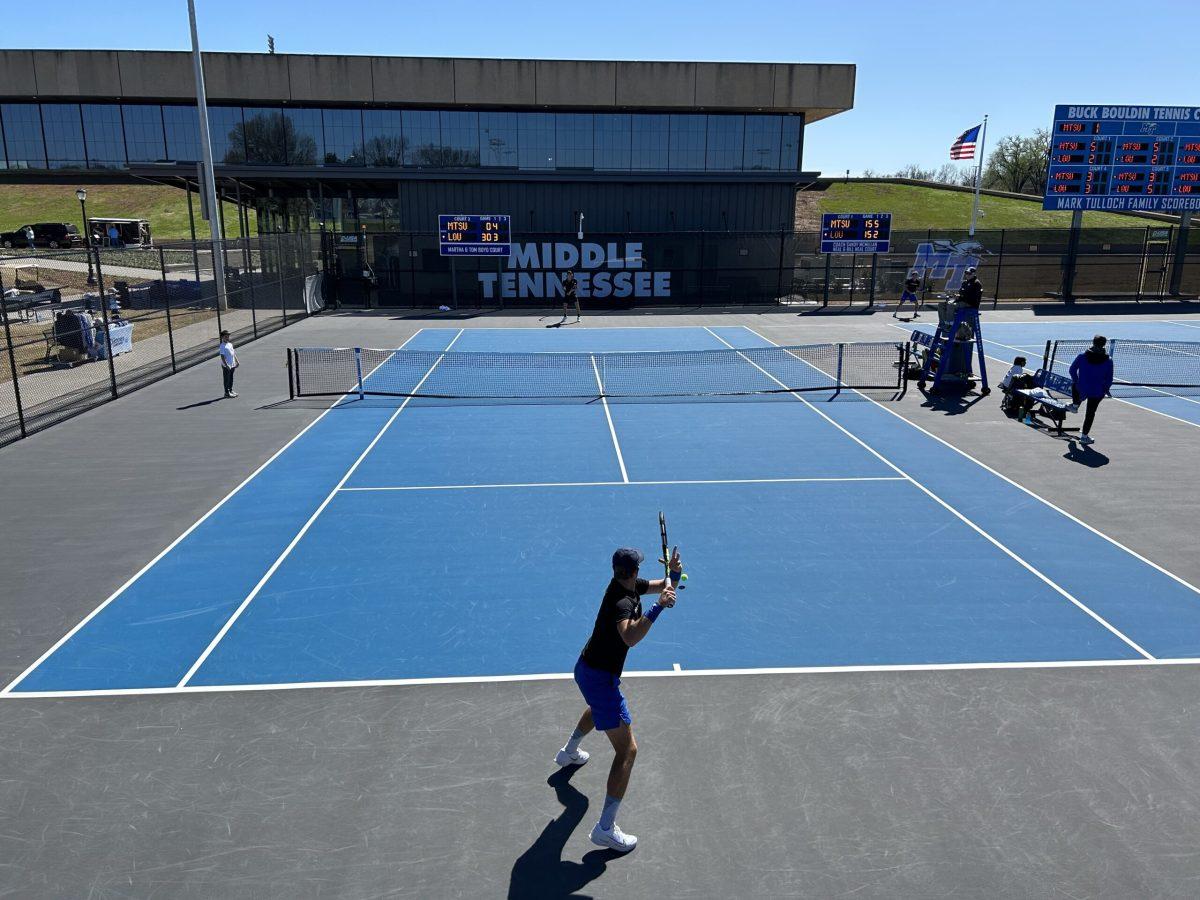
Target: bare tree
[1019,163]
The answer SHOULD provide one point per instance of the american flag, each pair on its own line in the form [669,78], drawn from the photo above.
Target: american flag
[964,147]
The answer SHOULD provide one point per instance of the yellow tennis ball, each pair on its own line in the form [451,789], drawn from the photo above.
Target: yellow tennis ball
[683,577]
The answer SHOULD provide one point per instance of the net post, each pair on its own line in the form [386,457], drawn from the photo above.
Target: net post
[1046,357]
[12,360]
[905,358]
[358,370]
[291,382]
[841,349]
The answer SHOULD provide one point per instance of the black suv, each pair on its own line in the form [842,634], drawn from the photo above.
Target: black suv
[45,234]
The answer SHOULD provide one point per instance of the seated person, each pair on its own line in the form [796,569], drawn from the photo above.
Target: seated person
[1014,380]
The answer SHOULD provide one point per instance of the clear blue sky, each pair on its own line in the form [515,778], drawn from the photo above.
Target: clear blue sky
[926,70]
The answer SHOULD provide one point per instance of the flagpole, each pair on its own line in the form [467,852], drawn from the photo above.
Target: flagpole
[978,177]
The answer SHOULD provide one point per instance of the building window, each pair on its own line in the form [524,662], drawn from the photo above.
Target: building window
[303,140]
[263,133]
[227,131]
[688,135]
[64,136]
[385,144]
[724,143]
[460,139]
[422,137]
[762,143]
[613,141]
[498,140]
[23,135]
[182,126]
[573,140]
[105,136]
[650,141]
[789,152]
[535,140]
[343,130]
[143,133]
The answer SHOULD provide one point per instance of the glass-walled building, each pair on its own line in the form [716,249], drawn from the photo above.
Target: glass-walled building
[382,143]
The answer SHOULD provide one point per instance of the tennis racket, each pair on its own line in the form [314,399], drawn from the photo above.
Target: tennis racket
[665,559]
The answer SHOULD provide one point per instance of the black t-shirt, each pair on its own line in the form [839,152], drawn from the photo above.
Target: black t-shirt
[606,649]
[912,285]
[571,286]
[971,293]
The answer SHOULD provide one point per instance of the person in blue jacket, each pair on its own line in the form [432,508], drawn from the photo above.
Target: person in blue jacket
[1091,377]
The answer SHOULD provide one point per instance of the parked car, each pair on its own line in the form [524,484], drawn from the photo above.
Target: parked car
[56,234]
[45,234]
[14,238]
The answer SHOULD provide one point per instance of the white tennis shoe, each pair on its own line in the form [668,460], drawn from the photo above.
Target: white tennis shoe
[565,758]
[614,838]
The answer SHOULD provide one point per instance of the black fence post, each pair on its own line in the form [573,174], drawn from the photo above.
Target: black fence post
[828,268]
[112,367]
[999,270]
[162,271]
[779,284]
[279,265]
[12,358]
[216,294]
[874,268]
[248,283]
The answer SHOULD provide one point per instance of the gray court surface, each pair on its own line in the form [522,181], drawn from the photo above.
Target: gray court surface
[1045,782]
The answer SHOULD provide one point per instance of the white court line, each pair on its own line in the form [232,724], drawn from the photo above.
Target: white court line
[568,676]
[1148,409]
[307,525]
[1035,496]
[556,484]
[608,415]
[1033,570]
[1184,324]
[171,546]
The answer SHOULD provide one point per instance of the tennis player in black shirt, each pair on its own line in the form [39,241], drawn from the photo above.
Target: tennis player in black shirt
[619,626]
[570,295]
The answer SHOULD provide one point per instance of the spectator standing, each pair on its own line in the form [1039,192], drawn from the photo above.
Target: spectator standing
[1091,380]
[229,363]
[29,236]
[114,236]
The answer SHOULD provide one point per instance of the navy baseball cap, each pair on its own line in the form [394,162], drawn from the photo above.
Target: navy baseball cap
[626,560]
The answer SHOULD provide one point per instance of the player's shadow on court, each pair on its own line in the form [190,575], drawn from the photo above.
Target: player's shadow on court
[1085,455]
[541,871]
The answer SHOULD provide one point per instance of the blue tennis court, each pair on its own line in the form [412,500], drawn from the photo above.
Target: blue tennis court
[1004,340]
[397,540]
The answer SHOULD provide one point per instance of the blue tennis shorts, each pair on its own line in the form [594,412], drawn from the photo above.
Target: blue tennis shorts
[602,692]
[908,296]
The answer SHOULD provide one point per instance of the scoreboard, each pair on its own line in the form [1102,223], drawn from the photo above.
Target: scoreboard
[856,232]
[474,235]
[1124,158]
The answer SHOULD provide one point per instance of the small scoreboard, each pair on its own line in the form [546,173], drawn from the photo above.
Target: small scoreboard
[1124,158]
[474,235]
[856,232]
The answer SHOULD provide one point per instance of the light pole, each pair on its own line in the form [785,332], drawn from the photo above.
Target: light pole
[81,196]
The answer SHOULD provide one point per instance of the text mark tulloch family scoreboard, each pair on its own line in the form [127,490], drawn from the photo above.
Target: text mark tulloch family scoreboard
[856,232]
[469,235]
[1124,157]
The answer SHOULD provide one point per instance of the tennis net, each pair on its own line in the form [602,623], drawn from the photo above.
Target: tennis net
[325,371]
[1140,368]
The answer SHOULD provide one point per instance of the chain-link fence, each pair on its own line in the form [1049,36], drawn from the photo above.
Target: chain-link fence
[405,269]
[84,327]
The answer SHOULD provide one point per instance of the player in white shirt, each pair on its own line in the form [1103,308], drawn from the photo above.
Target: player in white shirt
[229,362]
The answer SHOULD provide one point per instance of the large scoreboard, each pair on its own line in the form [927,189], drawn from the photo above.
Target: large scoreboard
[1124,158]
[856,232]
[464,235]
